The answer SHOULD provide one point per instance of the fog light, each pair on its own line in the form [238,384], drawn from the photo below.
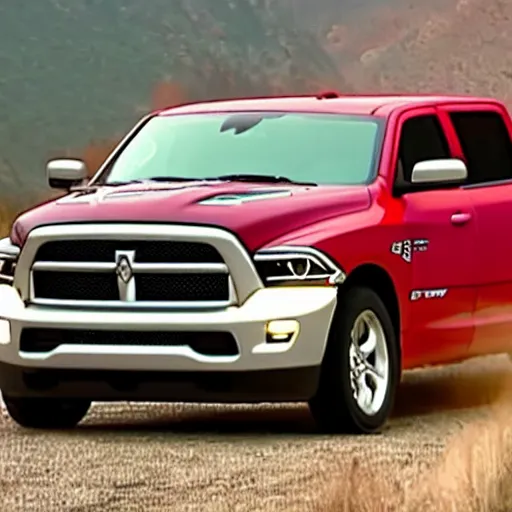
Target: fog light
[5,332]
[282,331]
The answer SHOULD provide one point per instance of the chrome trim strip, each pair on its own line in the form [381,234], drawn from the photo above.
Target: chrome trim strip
[141,268]
[142,305]
[8,250]
[70,266]
[8,256]
[156,351]
[314,277]
[180,268]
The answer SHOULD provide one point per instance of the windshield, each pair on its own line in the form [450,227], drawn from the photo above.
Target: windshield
[317,148]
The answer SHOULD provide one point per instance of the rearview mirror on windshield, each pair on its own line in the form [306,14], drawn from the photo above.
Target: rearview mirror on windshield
[65,173]
[451,170]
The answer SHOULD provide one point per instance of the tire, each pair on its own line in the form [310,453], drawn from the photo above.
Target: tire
[46,413]
[334,406]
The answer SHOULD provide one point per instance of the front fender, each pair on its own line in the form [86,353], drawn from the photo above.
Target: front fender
[357,240]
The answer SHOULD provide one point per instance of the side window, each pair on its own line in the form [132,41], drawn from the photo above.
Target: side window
[422,138]
[486,145]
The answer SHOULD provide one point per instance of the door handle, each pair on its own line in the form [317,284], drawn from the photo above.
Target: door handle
[460,218]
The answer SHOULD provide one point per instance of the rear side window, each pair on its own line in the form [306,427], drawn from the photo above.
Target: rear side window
[486,145]
[422,138]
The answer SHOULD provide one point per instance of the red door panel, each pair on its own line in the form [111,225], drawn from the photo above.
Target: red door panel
[493,312]
[443,294]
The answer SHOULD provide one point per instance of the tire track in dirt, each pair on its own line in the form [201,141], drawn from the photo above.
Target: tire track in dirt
[151,457]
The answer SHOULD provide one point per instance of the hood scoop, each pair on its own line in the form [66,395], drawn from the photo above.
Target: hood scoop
[245,197]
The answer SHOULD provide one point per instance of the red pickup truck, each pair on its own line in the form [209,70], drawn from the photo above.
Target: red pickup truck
[274,249]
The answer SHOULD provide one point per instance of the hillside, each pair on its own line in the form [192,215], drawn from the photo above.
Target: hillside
[319,15]
[466,49]
[76,71]
[458,46]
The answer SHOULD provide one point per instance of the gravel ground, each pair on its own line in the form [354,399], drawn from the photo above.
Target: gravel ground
[151,457]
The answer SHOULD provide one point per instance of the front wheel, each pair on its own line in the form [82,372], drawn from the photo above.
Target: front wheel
[46,413]
[361,366]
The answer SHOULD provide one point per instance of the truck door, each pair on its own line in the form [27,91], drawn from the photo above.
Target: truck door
[483,132]
[439,245]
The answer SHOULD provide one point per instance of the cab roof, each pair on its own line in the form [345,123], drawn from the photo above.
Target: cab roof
[330,102]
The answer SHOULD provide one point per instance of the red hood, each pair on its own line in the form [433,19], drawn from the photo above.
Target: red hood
[256,222]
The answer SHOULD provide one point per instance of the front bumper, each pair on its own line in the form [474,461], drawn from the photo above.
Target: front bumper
[311,307]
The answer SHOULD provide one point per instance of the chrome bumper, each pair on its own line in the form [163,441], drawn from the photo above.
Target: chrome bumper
[311,307]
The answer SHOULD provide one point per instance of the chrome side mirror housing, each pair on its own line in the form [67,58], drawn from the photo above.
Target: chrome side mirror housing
[66,173]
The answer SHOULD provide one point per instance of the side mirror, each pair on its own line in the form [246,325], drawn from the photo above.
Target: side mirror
[450,170]
[66,173]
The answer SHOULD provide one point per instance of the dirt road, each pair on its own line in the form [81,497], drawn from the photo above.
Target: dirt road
[146,457]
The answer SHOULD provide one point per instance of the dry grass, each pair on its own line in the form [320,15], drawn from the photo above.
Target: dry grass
[362,490]
[474,471]
[7,214]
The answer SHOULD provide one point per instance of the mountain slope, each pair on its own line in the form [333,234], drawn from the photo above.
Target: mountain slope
[78,70]
[457,46]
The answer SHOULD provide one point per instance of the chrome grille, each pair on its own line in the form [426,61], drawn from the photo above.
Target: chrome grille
[137,272]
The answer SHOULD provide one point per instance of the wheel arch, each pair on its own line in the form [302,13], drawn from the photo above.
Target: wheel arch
[378,279]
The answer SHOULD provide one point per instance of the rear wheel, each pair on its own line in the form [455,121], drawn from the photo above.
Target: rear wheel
[361,366]
[46,413]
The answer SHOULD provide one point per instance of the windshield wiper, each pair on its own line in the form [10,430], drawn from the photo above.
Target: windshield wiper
[263,178]
[170,179]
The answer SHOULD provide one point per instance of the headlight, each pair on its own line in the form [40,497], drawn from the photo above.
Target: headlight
[295,265]
[8,257]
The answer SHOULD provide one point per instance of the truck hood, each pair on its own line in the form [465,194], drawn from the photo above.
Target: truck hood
[258,214]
